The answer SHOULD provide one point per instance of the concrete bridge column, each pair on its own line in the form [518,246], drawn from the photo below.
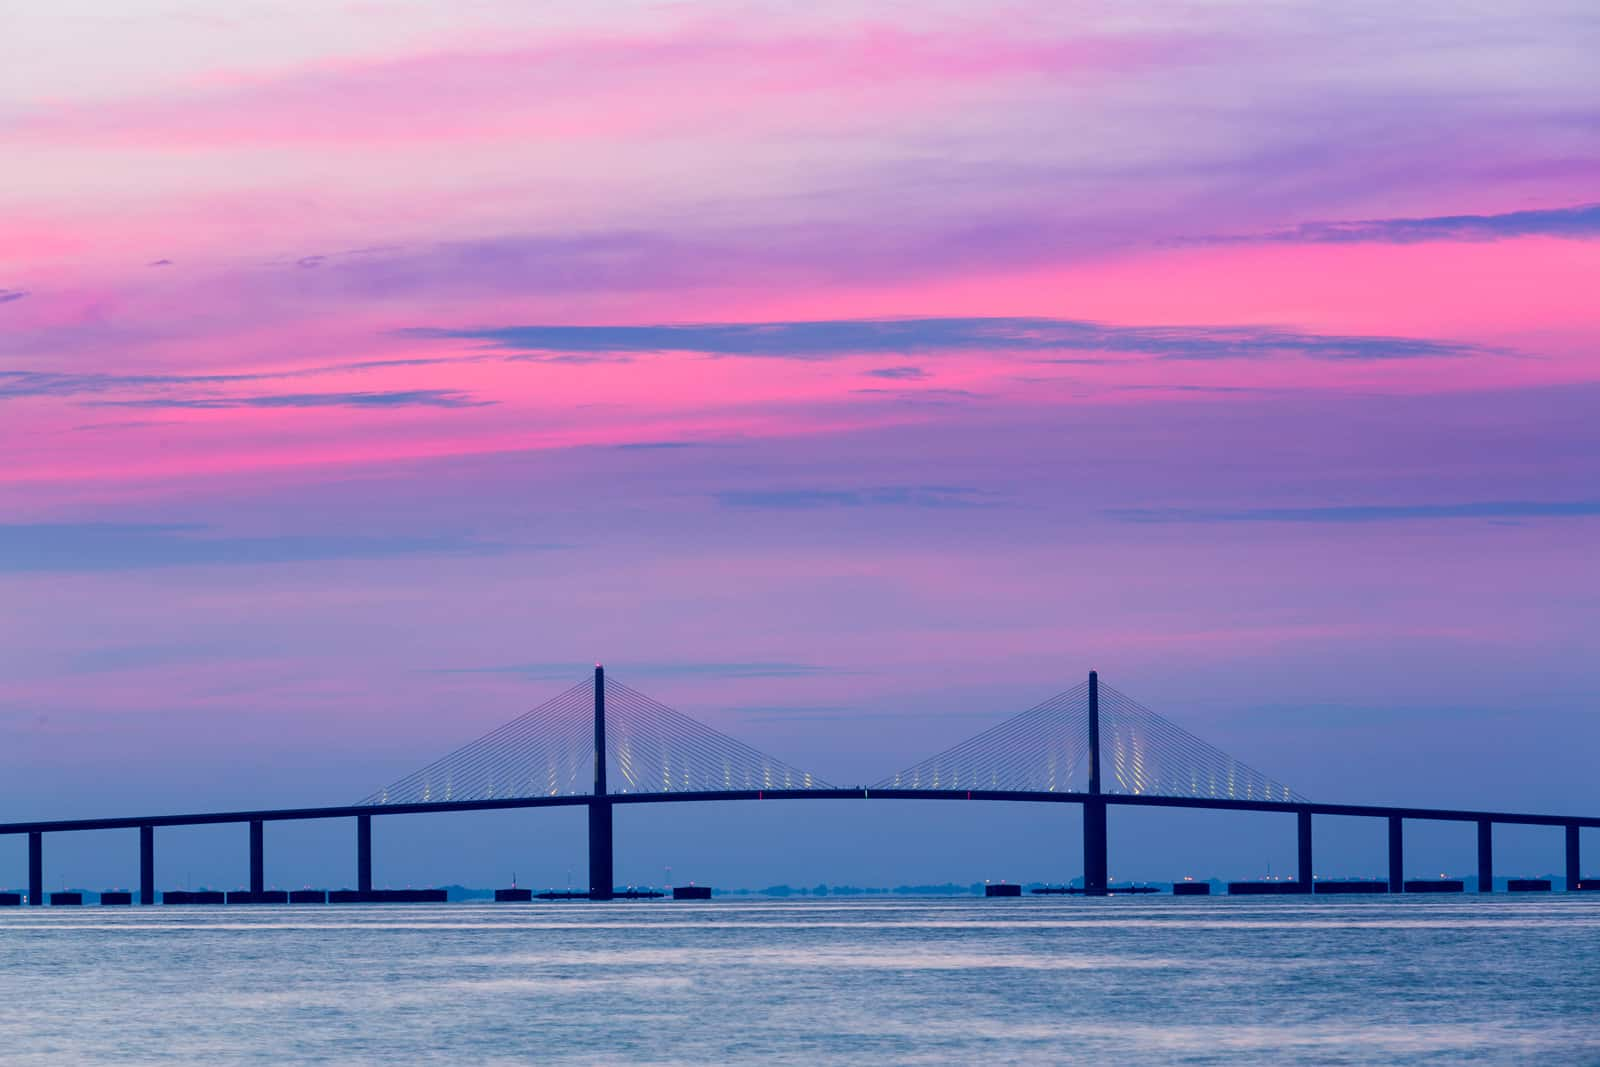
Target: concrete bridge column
[147,865]
[258,873]
[1574,859]
[602,878]
[35,867]
[364,853]
[1397,855]
[1303,826]
[1485,856]
[1095,861]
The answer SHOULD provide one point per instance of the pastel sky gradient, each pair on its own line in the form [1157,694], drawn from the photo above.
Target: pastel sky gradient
[845,374]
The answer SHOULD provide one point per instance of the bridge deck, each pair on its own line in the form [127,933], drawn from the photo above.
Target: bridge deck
[859,793]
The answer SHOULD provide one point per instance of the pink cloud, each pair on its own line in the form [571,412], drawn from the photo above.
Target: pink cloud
[685,83]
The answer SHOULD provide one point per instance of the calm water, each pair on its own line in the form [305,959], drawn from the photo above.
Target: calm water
[1417,980]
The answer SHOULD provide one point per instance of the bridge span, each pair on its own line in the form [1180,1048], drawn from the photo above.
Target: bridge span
[1050,754]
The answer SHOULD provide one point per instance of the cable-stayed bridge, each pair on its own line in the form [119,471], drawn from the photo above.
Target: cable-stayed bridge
[602,744]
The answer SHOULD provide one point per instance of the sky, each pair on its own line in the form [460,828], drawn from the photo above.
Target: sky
[847,375]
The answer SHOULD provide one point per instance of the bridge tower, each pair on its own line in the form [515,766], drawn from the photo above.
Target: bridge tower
[1094,808]
[601,878]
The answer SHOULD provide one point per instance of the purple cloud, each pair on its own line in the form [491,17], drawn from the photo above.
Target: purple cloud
[1577,223]
[434,398]
[829,339]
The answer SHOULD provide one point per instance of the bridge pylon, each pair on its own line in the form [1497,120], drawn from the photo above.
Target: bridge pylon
[601,845]
[1095,860]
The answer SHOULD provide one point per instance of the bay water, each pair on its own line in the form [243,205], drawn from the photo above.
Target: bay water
[1503,979]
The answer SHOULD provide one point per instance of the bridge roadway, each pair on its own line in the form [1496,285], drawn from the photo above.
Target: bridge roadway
[1094,804]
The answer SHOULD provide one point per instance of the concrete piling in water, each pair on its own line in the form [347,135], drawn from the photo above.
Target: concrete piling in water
[1574,857]
[147,865]
[1352,886]
[1397,855]
[1485,856]
[1264,889]
[258,862]
[1435,885]
[35,867]
[1303,841]
[363,853]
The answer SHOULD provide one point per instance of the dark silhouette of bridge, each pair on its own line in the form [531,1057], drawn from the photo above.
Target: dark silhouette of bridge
[602,744]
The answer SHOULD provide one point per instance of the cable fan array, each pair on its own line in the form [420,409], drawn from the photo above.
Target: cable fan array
[1146,754]
[1037,751]
[656,749]
[548,751]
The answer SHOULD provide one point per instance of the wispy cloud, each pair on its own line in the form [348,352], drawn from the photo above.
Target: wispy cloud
[833,339]
[899,374]
[574,669]
[111,658]
[8,295]
[919,396]
[46,547]
[1358,513]
[122,424]
[577,86]
[657,446]
[1579,222]
[201,390]
[27,383]
[893,496]
[841,713]
[435,398]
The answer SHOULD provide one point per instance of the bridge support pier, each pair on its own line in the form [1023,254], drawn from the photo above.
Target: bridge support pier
[258,874]
[602,879]
[1094,809]
[147,865]
[1574,858]
[1397,855]
[1094,847]
[1303,828]
[1485,856]
[35,867]
[364,853]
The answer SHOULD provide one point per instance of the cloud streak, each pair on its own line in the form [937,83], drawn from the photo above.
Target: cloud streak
[894,496]
[838,338]
[50,547]
[17,384]
[580,86]
[1364,513]
[1581,222]
[396,398]
[676,669]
